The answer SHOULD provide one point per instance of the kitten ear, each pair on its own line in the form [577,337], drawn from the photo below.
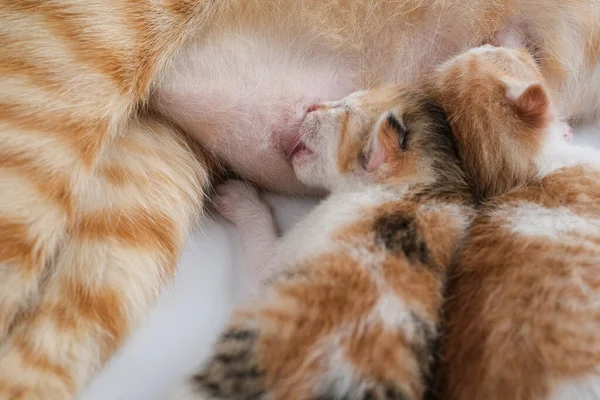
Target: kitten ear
[530,100]
[377,156]
[390,131]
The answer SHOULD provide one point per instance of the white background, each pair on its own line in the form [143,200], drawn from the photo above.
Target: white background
[178,334]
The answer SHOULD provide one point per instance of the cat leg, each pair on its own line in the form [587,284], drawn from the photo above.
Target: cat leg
[120,248]
[240,203]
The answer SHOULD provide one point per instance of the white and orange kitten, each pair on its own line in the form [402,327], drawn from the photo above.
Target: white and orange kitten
[522,319]
[348,302]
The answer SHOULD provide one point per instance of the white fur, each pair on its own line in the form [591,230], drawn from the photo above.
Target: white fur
[313,234]
[530,219]
[338,377]
[392,310]
[396,315]
[486,48]
[558,153]
[515,88]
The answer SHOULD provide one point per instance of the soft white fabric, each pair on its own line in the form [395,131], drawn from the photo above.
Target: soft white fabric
[189,315]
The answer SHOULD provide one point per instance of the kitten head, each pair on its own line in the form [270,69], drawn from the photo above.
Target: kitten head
[390,134]
[501,114]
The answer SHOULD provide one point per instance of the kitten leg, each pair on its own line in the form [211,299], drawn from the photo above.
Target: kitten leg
[240,203]
[120,249]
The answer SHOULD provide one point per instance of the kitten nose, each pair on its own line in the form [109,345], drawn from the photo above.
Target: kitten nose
[312,108]
[329,105]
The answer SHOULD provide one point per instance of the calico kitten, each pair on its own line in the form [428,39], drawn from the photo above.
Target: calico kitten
[348,305]
[523,312]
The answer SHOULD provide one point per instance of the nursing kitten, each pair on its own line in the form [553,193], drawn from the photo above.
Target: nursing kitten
[523,311]
[98,191]
[348,306]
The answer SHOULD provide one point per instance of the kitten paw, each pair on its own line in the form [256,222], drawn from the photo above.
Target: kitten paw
[239,202]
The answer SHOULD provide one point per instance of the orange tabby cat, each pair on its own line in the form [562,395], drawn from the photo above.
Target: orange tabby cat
[523,312]
[349,303]
[97,192]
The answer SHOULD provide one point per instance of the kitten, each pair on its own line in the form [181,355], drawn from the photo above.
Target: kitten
[348,305]
[523,311]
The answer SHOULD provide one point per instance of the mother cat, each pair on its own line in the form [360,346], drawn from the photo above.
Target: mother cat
[98,187]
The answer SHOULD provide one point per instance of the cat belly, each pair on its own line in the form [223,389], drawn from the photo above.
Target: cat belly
[245,99]
[243,92]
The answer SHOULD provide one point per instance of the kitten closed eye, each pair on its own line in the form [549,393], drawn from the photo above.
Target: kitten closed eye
[402,132]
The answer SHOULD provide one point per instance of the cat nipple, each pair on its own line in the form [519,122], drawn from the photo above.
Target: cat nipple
[313,107]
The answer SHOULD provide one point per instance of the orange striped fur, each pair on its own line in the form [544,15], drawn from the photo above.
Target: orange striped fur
[96,200]
[348,307]
[522,315]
